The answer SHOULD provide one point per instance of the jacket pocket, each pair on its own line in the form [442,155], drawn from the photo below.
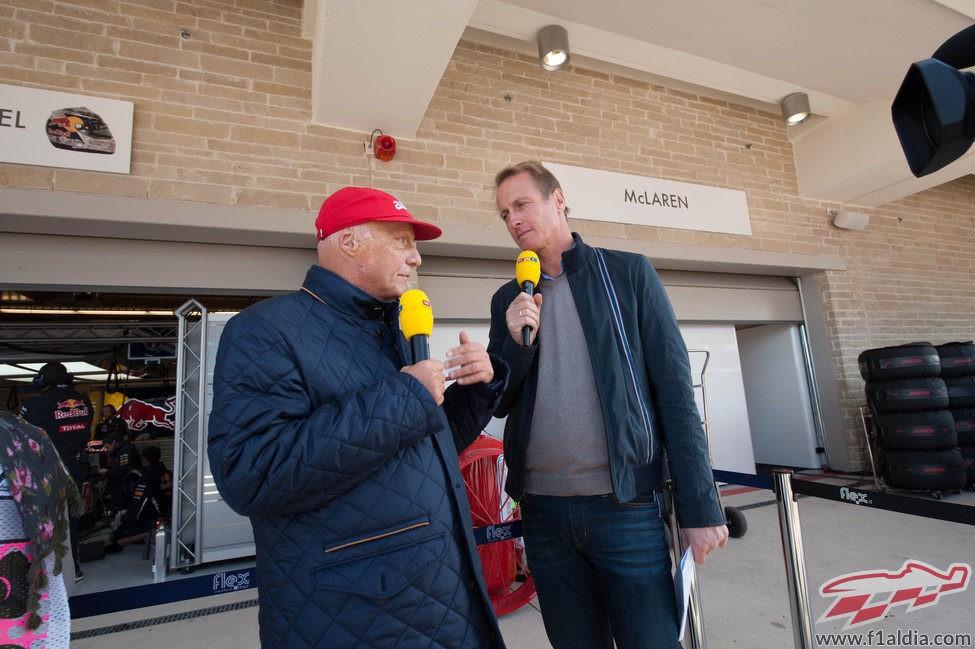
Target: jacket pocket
[383,563]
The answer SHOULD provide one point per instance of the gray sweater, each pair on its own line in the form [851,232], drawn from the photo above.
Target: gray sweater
[567,454]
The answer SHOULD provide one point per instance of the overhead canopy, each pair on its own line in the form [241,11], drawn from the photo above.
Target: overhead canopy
[377,64]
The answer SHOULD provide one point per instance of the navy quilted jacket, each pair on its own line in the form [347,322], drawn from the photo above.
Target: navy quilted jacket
[348,470]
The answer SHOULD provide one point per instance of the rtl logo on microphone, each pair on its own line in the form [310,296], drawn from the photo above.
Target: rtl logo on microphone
[527,258]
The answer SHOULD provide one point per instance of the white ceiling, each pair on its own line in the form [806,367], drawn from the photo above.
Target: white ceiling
[855,50]
[849,56]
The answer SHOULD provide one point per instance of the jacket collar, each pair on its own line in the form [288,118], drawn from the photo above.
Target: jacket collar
[574,258]
[336,292]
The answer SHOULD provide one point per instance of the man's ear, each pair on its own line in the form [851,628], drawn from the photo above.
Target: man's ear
[559,200]
[348,242]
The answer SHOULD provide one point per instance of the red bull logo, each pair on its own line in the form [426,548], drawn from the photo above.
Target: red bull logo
[71,408]
[138,414]
[864,597]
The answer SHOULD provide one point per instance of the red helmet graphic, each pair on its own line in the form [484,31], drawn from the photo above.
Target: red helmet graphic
[79,129]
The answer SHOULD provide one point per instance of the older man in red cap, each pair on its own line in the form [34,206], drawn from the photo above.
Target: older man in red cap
[343,450]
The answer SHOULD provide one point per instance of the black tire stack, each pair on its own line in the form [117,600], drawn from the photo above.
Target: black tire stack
[916,432]
[958,372]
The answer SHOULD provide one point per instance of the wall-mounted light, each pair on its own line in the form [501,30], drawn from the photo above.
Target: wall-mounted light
[847,220]
[795,108]
[553,47]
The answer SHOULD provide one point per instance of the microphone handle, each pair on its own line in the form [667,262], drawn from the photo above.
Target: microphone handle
[526,331]
[421,347]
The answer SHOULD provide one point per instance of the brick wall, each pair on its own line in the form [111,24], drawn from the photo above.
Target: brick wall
[223,117]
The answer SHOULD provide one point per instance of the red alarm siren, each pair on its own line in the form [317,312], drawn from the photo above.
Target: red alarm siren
[384,147]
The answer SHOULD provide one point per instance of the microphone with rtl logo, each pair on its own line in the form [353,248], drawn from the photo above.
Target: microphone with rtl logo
[416,321]
[527,271]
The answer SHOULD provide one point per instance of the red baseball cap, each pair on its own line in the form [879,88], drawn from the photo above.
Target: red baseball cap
[354,205]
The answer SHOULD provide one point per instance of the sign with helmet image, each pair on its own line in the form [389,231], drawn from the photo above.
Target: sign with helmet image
[58,129]
[79,129]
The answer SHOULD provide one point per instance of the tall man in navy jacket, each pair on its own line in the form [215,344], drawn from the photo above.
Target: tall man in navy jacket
[602,389]
[343,450]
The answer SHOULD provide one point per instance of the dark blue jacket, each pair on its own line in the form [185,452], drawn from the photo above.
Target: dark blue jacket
[348,470]
[642,375]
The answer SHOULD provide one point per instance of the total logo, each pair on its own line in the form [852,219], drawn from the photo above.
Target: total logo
[865,597]
[855,497]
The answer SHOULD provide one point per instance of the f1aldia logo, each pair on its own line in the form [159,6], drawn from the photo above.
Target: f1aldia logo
[864,597]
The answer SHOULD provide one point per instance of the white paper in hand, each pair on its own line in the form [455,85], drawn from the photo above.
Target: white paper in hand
[683,578]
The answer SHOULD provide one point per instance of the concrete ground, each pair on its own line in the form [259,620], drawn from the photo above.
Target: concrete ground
[743,587]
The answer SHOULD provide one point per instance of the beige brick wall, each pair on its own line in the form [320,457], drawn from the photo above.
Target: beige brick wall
[223,117]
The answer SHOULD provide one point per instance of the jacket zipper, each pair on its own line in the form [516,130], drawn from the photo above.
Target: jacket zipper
[621,334]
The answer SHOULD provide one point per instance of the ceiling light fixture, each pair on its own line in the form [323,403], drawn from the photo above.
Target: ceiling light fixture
[795,108]
[553,47]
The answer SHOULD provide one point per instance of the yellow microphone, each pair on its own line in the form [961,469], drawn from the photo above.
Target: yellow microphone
[527,272]
[416,321]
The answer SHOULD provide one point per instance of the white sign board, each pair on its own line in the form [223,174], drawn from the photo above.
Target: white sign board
[59,129]
[624,198]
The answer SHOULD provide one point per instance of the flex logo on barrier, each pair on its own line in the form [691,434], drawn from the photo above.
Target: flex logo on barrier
[855,497]
[226,582]
[864,597]
[498,533]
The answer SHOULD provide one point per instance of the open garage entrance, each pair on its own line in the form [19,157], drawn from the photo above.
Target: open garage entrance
[121,350]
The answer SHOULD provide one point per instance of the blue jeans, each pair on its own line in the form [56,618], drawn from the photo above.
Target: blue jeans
[602,571]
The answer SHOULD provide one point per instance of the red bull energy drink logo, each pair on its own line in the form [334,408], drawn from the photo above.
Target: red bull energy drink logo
[139,414]
[71,408]
[865,597]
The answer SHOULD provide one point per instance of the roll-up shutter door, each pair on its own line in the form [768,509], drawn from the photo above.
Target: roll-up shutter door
[94,263]
[461,289]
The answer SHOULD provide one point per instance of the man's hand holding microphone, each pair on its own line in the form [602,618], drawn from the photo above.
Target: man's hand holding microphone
[468,363]
[524,313]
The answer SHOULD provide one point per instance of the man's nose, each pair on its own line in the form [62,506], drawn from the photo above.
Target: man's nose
[414,259]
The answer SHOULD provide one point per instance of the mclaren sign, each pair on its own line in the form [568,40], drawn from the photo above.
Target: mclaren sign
[597,195]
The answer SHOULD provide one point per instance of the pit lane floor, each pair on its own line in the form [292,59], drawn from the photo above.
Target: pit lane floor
[743,586]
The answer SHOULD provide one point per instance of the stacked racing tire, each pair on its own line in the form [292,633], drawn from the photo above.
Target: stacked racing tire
[914,427]
[958,372]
